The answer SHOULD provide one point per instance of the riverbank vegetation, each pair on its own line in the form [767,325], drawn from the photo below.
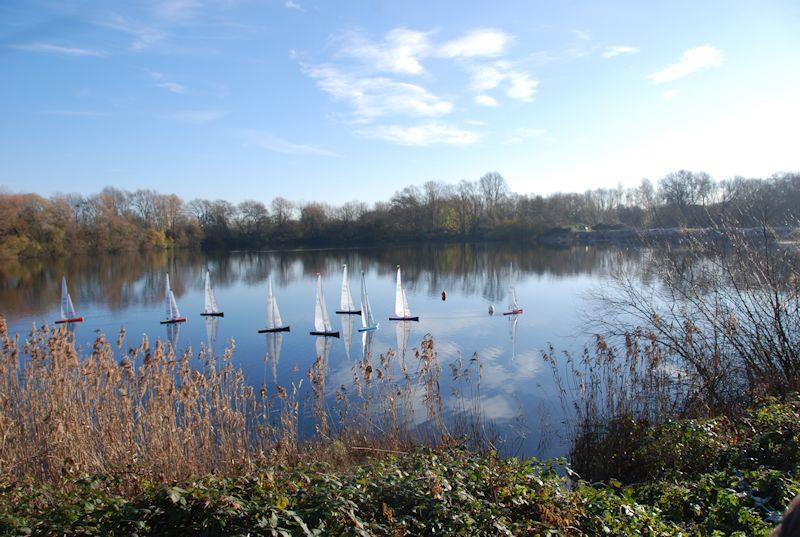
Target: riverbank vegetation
[116,220]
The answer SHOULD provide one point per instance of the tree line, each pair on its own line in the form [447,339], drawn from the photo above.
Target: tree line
[114,220]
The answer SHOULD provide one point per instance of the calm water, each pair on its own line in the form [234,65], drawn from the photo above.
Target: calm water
[517,391]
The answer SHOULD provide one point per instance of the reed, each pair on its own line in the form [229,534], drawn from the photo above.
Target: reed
[148,413]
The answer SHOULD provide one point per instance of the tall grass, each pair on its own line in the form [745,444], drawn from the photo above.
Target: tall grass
[147,413]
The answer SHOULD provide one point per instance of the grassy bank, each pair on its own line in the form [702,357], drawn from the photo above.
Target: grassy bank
[690,477]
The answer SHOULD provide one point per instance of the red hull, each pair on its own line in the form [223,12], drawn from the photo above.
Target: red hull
[173,321]
[73,320]
[513,312]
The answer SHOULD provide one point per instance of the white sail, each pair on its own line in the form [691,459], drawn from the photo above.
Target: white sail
[347,298]
[406,309]
[273,314]
[367,319]
[322,323]
[167,302]
[67,308]
[210,300]
[174,305]
[399,309]
[514,305]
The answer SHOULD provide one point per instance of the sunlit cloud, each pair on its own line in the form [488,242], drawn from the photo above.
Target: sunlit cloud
[693,60]
[49,48]
[425,134]
[374,97]
[482,42]
[618,50]
[275,144]
[522,86]
[399,52]
[486,100]
[519,85]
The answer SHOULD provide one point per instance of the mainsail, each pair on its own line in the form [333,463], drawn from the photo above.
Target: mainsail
[514,305]
[273,314]
[367,320]
[347,298]
[67,308]
[401,308]
[322,323]
[210,300]
[170,305]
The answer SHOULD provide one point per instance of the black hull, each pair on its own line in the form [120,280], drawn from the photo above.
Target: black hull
[271,330]
[344,312]
[326,334]
[404,318]
[218,314]
[174,321]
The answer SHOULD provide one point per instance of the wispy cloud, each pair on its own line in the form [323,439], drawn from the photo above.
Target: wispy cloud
[279,145]
[144,35]
[693,60]
[618,50]
[486,100]
[523,133]
[293,5]
[519,85]
[177,9]
[522,86]
[481,42]
[49,48]
[199,116]
[424,134]
[400,51]
[374,97]
[162,82]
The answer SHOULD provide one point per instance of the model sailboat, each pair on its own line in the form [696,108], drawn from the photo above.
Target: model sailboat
[274,321]
[513,308]
[401,310]
[347,307]
[367,320]
[171,307]
[211,308]
[322,322]
[68,313]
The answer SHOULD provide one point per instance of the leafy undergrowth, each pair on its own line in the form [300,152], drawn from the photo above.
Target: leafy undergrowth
[694,477]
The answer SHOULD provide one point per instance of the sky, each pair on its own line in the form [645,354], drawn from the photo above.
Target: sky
[322,100]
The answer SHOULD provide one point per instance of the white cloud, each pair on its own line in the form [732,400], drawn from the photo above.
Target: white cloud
[671,94]
[422,135]
[522,86]
[144,36]
[279,145]
[293,5]
[618,50]
[485,42]
[486,77]
[49,48]
[583,36]
[199,116]
[693,60]
[374,97]
[162,82]
[523,133]
[399,52]
[486,100]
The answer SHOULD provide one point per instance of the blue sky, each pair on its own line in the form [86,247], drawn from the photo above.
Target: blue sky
[332,101]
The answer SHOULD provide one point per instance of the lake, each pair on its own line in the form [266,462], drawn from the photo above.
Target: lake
[517,392]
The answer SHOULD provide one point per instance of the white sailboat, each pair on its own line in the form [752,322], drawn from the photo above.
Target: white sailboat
[274,321]
[401,310]
[367,320]
[322,322]
[211,308]
[513,307]
[68,313]
[346,305]
[171,307]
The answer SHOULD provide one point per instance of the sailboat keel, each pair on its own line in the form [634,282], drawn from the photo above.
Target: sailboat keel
[326,334]
[271,330]
[404,318]
[173,321]
[345,312]
[214,314]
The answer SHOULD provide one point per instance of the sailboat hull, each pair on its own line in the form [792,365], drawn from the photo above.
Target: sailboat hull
[404,318]
[215,314]
[326,334]
[271,330]
[174,321]
[348,312]
[513,312]
[73,320]
[369,328]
